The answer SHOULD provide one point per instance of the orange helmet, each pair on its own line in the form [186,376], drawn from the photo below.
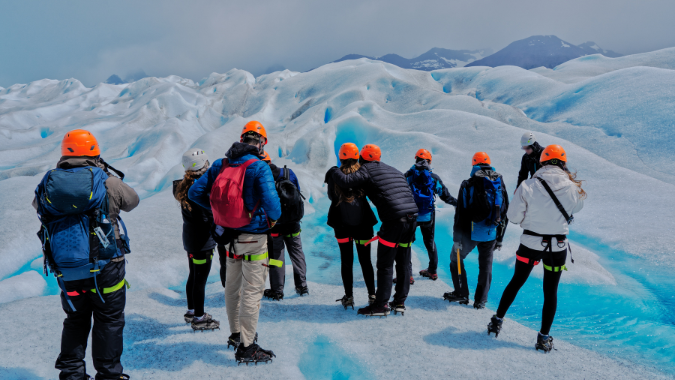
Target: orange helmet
[553,152]
[254,126]
[79,142]
[423,154]
[371,152]
[349,151]
[481,158]
[266,157]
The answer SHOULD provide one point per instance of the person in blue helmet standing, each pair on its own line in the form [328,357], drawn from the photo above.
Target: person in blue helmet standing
[425,186]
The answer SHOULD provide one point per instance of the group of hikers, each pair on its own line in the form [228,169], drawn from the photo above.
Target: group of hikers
[248,210]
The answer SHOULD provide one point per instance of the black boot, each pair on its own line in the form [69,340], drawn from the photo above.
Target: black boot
[205,323]
[397,307]
[274,296]
[253,354]
[544,343]
[235,339]
[302,290]
[495,325]
[346,302]
[374,311]
[455,297]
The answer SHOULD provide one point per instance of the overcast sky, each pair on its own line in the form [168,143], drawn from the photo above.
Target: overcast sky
[90,40]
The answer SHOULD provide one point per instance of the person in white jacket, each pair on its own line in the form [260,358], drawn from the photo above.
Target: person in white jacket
[544,237]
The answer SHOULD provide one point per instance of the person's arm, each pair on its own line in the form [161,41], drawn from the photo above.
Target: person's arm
[330,186]
[518,207]
[350,181]
[201,189]
[460,210]
[443,192]
[129,197]
[293,178]
[265,187]
[524,171]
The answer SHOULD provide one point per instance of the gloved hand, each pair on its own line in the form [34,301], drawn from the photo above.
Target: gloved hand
[457,245]
[272,223]
[498,246]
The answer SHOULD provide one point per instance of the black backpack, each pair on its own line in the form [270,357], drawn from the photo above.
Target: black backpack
[486,200]
[292,204]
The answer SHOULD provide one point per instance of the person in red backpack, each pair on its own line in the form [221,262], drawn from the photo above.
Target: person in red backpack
[240,192]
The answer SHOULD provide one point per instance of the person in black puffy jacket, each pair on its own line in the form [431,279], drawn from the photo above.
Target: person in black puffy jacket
[352,219]
[388,189]
[530,162]
[197,240]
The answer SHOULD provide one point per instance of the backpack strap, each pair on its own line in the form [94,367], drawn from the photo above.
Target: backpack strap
[560,207]
[287,173]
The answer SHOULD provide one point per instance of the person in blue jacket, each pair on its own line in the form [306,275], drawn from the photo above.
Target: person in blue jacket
[248,260]
[425,186]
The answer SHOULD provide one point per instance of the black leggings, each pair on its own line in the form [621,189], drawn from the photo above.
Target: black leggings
[347,259]
[551,281]
[200,266]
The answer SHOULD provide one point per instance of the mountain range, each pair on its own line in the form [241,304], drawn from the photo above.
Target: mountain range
[434,59]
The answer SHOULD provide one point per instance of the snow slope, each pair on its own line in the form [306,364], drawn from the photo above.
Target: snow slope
[612,136]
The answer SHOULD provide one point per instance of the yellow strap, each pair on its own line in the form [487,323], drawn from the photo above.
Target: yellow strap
[361,242]
[114,288]
[404,245]
[198,262]
[262,256]
[276,263]
[555,269]
[295,234]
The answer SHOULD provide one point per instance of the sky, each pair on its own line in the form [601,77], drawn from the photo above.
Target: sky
[90,40]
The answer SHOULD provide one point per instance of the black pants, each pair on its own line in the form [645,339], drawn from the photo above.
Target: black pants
[551,281]
[428,230]
[107,332]
[394,233]
[222,257]
[356,235]
[485,255]
[200,266]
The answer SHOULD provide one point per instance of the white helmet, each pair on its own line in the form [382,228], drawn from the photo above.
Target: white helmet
[527,139]
[194,160]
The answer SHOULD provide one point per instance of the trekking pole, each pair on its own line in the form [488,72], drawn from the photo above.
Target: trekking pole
[459,269]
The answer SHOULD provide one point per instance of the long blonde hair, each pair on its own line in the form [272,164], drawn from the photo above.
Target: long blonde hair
[573,178]
[184,186]
[348,167]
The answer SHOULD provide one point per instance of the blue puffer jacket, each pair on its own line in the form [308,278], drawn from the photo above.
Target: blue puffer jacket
[258,186]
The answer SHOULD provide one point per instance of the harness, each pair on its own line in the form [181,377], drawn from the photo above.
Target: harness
[546,242]
[349,240]
[108,290]
[387,243]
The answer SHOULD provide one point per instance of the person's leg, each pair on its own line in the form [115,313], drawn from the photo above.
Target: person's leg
[189,286]
[403,253]
[233,293]
[363,252]
[386,254]
[428,235]
[254,270]
[461,286]
[485,255]
[520,275]
[107,338]
[222,258]
[75,333]
[552,273]
[346,246]
[297,256]
[277,273]
[202,267]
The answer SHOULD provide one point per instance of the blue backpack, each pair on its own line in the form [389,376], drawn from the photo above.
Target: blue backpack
[422,186]
[78,238]
[486,200]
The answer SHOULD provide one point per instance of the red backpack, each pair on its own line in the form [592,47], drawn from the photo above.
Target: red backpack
[227,196]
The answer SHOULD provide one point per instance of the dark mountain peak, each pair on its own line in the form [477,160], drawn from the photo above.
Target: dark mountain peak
[114,79]
[434,59]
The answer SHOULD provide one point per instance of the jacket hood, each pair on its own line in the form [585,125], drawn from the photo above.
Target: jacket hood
[484,171]
[239,149]
[67,162]
[554,176]
[422,165]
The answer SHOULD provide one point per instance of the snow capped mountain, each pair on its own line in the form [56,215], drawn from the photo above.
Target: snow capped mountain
[592,48]
[538,51]
[434,59]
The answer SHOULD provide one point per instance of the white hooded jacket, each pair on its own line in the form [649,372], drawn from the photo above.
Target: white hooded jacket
[534,209]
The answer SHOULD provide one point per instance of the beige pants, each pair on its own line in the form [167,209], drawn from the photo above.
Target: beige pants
[244,286]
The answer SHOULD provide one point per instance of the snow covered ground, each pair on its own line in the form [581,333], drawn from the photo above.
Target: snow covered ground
[613,116]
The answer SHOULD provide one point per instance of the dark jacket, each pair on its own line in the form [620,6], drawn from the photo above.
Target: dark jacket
[258,186]
[121,197]
[384,185]
[530,163]
[463,224]
[438,187]
[197,224]
[279,228]
[335,217]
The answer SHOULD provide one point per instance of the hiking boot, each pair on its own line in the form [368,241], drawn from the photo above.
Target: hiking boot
[397,307]
[206,322]
[371,299]
[188,316]
[346,302]
[253,354]
[412,280]
[425,273]
[235,339]
[544,343]
[302,290]
[478,305]
[374,311]
[455,297]
[272,295]
[495,325]
[124,377]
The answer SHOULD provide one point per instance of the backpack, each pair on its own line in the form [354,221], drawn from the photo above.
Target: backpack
[292,204]
[486,200]
[227,196]
[422,186]
[78,238]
